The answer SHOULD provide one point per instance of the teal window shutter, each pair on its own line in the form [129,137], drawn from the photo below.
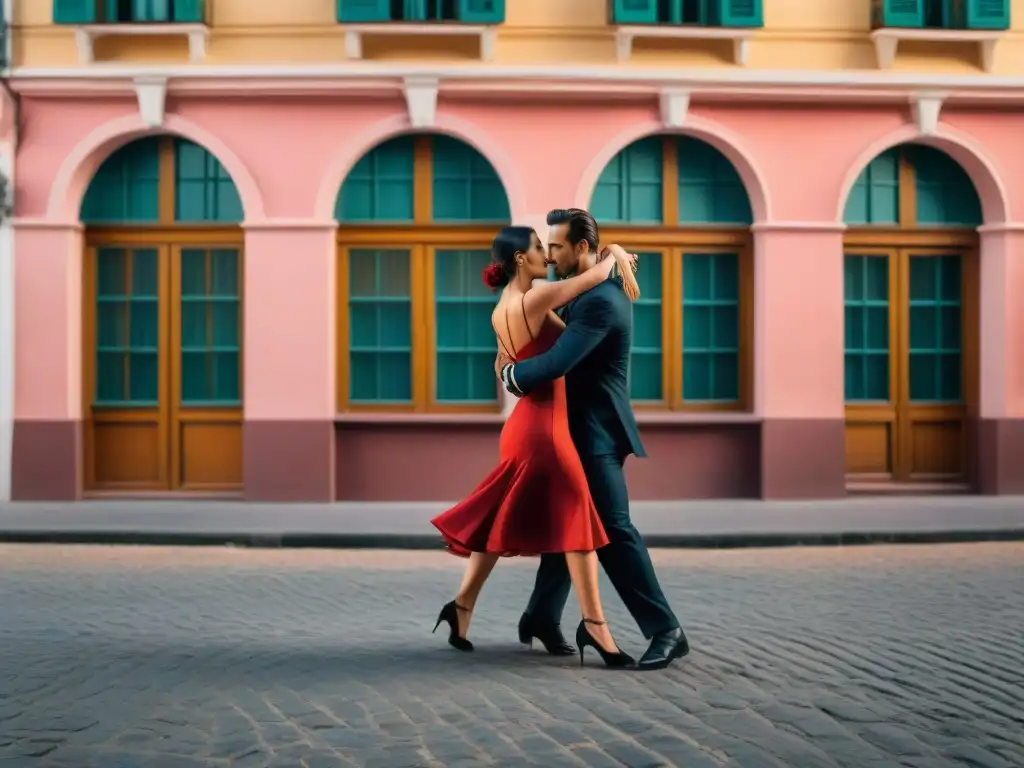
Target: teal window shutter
[74,11]
[629,190]
[150,10]
[482,11]
[203,189]
[711,327]
[897,13]
[634,11]
[465,343]
[380,186]
[380,326]
[125,189]
[414,10]
[875,196]
[189,11]
[211,322]
[646,357]
[465,186]
[710,189]
[127,327]
[985,14]
[945,193]
[738,13]
[936,318]
[866,328]
[357,11]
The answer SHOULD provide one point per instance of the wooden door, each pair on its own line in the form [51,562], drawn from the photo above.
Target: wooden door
[910,341]
[162,367]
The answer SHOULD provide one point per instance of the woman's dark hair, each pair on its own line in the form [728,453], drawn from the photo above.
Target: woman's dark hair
[581,226]
[507,243]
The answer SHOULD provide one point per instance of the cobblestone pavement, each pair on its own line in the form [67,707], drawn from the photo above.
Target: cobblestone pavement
[159,658]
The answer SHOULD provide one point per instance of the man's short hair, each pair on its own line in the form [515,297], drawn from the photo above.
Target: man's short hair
[582,226]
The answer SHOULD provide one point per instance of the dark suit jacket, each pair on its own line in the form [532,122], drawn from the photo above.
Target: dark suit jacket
[593,355]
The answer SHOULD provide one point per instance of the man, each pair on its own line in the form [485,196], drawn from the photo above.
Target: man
[593,355]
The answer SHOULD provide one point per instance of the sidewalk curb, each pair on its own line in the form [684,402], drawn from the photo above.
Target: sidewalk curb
[428,542]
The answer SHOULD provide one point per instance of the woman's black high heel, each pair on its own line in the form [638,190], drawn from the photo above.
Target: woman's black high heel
[611,659]
[450,613]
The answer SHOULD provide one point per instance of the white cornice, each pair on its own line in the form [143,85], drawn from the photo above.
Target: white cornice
[839,86]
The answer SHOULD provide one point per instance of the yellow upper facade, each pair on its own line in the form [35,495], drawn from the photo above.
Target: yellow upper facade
[785,34]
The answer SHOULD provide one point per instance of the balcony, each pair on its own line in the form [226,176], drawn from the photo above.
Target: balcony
[420,18]
[981,23]
[728,20]
[94,19]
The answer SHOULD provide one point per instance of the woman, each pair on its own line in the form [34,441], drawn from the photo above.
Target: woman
[536,501]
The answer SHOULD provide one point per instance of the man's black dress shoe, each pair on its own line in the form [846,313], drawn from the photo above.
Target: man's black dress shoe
[665,648]
[550,636]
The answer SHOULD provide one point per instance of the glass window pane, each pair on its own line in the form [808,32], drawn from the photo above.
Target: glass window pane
[395,376]
[924,334]
[876,377]
[144,272]
[226,323]
[144,324]
[144,377]
[950,377]
[853,328]
[224,272]
[949,320]
[697,376]
[193,272]
[924,372]
[194,324]
[725,331]
[853,376]
[226,371]
[111,378]
[112,324]
[725,375]
[876,328]
[196,376]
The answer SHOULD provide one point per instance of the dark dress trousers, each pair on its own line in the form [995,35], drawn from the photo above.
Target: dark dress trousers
[593,355]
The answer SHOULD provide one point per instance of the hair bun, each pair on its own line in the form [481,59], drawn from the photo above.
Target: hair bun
[494,276]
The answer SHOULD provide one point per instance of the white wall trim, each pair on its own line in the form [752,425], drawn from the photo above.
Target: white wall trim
[151,94]
[798,226]
[584,76]
[421,100]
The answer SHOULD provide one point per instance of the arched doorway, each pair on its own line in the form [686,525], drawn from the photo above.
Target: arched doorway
[162,302]
[911,319]
[416,218]
[680,203]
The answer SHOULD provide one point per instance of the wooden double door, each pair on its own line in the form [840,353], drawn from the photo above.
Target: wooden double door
[910,363]
[162,365]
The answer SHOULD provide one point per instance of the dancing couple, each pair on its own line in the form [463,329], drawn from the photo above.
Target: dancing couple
[559,490]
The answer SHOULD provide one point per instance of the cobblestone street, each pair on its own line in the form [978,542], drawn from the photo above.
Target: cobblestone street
[164,658]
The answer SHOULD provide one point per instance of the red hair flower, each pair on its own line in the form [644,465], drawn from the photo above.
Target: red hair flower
[494,276]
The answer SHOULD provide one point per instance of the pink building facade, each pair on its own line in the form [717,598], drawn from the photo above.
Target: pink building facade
[795,424]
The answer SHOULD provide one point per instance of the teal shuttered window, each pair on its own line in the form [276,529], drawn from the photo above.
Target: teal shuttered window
[646,360]
[463,11]
[416,217]
[943,193]
[866,322]
[711,327]
[380,186]
[126,188]
[722,13]
[464,342]
[935,329]
[380,322]
[943,14]
[690,339]
[133,12]
[127,328]
[210,327]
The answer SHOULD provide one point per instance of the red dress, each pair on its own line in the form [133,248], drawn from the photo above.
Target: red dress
[536,500]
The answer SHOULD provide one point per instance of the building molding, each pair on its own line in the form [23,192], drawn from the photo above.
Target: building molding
[151,94]
[926,108]
[331,76]
[811,227]
[675,105]
[290,225]
[421,101]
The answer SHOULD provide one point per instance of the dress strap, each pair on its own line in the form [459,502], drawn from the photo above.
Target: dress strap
[526,321]
[508,330]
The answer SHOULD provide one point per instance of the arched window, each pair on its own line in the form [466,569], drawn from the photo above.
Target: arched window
[910,287]
[416,218]
[681,204]
[163,316]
